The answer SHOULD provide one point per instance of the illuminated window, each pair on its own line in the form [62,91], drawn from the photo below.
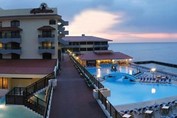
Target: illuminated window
[1,45]
[46,44]
[3,83]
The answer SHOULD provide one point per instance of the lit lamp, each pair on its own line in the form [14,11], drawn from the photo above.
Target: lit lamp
[153,90]
[130,59]
[153,71]
[77,58]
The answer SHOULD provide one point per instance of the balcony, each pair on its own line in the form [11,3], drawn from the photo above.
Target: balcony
[8,39]
[46,38]
[10,50]
[47,50]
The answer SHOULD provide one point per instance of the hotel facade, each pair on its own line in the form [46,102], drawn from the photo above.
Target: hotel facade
[81,44]
[28,44]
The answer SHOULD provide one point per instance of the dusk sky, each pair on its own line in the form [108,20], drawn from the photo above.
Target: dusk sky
[119,20]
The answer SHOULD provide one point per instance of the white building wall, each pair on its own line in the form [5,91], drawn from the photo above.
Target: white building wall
[29,36]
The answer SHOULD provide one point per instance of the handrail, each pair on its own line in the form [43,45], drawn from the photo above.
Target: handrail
[86,73]
[36,104]
[25,95]
[38,85]
[49,93]
[108,106]
[16,90]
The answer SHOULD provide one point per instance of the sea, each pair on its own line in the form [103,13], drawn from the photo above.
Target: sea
[161,51]
[164,52]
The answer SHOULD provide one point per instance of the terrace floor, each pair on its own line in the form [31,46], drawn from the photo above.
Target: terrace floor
[72,98]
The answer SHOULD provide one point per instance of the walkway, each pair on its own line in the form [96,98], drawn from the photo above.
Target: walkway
[72,98]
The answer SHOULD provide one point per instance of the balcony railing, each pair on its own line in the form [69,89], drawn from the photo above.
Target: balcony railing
[8,39]
[47,50]
[46,38]
[10,50]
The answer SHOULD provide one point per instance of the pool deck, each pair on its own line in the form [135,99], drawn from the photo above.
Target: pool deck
[72,98]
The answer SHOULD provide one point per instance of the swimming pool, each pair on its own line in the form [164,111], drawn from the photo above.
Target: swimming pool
[16,111]
[126,92]
[105,69]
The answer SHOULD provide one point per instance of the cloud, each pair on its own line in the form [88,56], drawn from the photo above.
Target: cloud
[93,22]
[140,37]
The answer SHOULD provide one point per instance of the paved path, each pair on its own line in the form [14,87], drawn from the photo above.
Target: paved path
[72,98]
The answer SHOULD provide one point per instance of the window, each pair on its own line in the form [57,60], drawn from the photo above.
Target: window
[82,43]
[1,45]
[47,45]
[0,24]
[15,56]
[46,33]
[46,56]
[15,23]
[89,49]
[52,22]
[3,83]
[15,34]
[104,43]
[90,43]
[0,34]
[82,49]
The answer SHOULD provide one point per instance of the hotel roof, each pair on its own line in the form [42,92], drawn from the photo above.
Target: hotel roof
[101,55]
[27,66]
[84,39]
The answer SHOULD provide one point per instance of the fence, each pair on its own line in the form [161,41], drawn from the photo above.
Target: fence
[108,106]
[25,95]
[84,72]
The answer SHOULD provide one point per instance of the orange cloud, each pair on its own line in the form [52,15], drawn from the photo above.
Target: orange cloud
[99,23]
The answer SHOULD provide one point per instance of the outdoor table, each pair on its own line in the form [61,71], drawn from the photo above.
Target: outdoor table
[148,113]
[165,109]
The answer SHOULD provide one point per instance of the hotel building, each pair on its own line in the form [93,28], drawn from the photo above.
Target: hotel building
[28,44]
[80,44]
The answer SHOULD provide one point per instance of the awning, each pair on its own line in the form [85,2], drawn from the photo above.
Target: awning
[46,28]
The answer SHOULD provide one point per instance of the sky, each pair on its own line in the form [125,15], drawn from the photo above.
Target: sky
[118,20]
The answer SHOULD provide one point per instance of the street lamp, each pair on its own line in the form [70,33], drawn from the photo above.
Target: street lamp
[153,71]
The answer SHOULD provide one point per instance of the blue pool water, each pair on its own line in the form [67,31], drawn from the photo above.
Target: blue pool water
[106,69]
[126,92]
[15,111]
[123,92]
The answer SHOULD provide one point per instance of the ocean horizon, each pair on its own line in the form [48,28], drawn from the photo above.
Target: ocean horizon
[156,51]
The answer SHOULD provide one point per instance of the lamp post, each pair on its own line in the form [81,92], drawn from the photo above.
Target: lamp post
[153,71]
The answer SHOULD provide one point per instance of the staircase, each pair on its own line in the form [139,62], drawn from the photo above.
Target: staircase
[25,95]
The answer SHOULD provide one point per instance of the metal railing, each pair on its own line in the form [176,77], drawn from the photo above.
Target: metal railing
[36,104]
[42,83]
[15,96]
[108,106]
[11,36]
[48,98]
[46,36]
[25,95]
[84,72]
